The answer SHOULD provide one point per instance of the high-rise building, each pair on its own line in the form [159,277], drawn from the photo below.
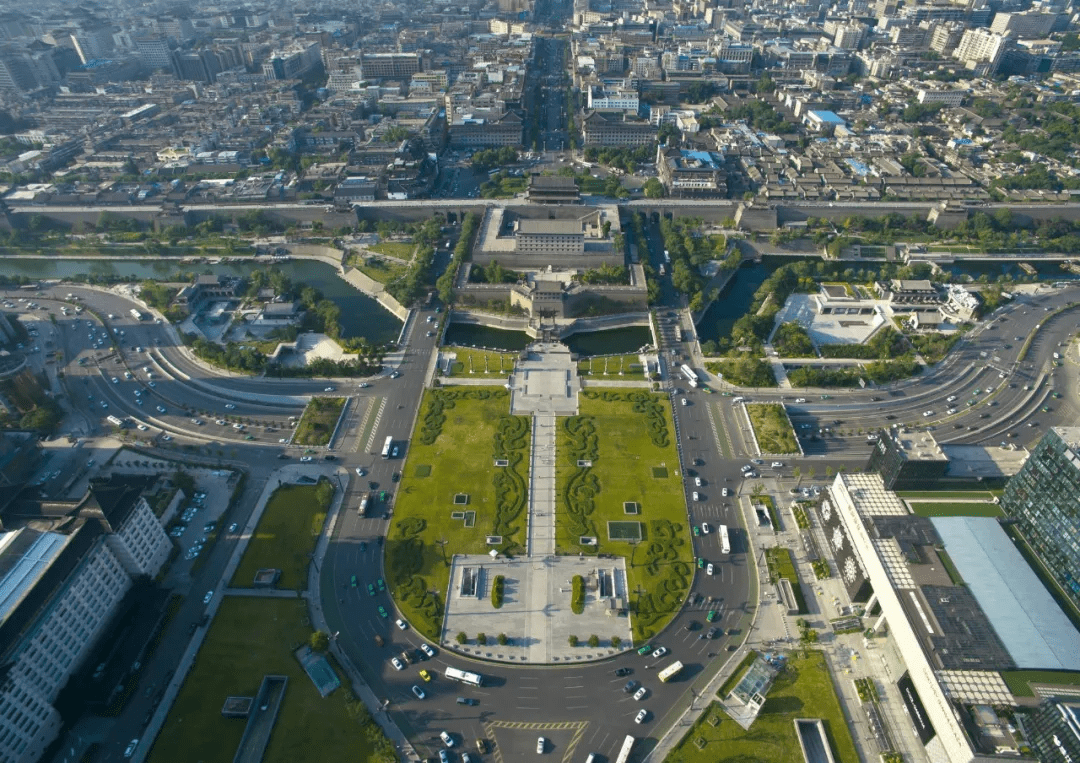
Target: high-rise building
[1054,730]
[92,43]
[154,51]
[1044,497]
[390,65]
[1024,25]
[907,459]
[981,50]
[61,587]
[292,63]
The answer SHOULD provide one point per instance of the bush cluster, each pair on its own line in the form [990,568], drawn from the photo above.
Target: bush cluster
[577,597]
[497,591]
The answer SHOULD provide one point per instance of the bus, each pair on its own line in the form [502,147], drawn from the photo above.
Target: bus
[624,753]
[670,672]
[114,421]
[135,314]
[364,502]
[386,447]
[464,676]
[688,372]
[725,542]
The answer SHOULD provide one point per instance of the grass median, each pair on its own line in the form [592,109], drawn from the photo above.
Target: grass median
[617,479]
[318,421]
[481,364]
[452,496]
[803,690]
[772,428]
[286,535]
[250,638]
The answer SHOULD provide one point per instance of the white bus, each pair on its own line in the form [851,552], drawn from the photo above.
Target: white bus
[688,372]
[624,753]
[386,447]
[114,421]
[464,676]
[364,504]
[725,543]
[670,672]
[135,314]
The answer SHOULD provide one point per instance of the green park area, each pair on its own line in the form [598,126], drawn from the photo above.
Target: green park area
[248,639]
[1020,681]
[772,428]
[403,251]
[481,364]
[383,271]
[616,366]
[452,495]
[317,424]
[803,689]
[286,535]
[955,509]
[617,480]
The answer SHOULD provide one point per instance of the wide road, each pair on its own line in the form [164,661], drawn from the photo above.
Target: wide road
[713,448]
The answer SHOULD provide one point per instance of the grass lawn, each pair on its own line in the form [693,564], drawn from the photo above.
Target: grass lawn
[803,690]
[481,364]
[394,249]
[286,534]
[781,565]
[627,435]
[459,434]
[1019,681]
[971,509]
[379,269]
[318,421]
[622,366]
[248,639]
[772,428]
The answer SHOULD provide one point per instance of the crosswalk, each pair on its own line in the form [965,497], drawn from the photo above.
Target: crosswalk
[578,727]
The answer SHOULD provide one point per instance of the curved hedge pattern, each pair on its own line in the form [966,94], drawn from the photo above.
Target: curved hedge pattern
[511,491]
[581,488]
[673,576]
[440,400]
[644,403]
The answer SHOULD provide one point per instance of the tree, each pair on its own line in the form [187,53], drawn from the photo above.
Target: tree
[616,641]
[481,639]
[461,638]
[572,641]
[503,640]
[654,189]
[319,641]
[594,641]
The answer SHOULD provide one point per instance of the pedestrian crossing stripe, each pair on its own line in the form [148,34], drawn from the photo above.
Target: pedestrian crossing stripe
[578,728]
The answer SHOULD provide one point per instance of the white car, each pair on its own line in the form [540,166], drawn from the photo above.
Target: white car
[724,492]
[360,471]
[364,385]
[418,692]
[541,743]
[328,389]
[115,380]
[746,468]
[152,384]
[709,569]
[396,663]
[950,398]
[305,459]
[233,527]
[800,400]
[660,651]
[427,650]
[640,693]
[685,401]
[130,749]
[696,496]
[641,716]
[950,412]
[401,624]
[705,529]
[871,438]
[927,414]
[777,464]
[142,427]
[448,740]
[206,599]
[161,409]
[230,406]
[697,481]
[220,422]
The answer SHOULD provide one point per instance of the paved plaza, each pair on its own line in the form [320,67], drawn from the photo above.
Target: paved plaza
[535,614]
[545,382]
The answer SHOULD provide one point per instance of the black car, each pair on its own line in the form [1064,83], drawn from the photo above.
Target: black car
[373,485]
[890,417]
[624,671]
[330,457]
[631,687]
[396,476]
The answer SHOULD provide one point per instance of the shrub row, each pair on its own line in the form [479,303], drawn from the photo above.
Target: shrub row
[497,591]
[577,598]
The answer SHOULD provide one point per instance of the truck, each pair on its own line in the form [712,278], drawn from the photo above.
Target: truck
[135,314]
